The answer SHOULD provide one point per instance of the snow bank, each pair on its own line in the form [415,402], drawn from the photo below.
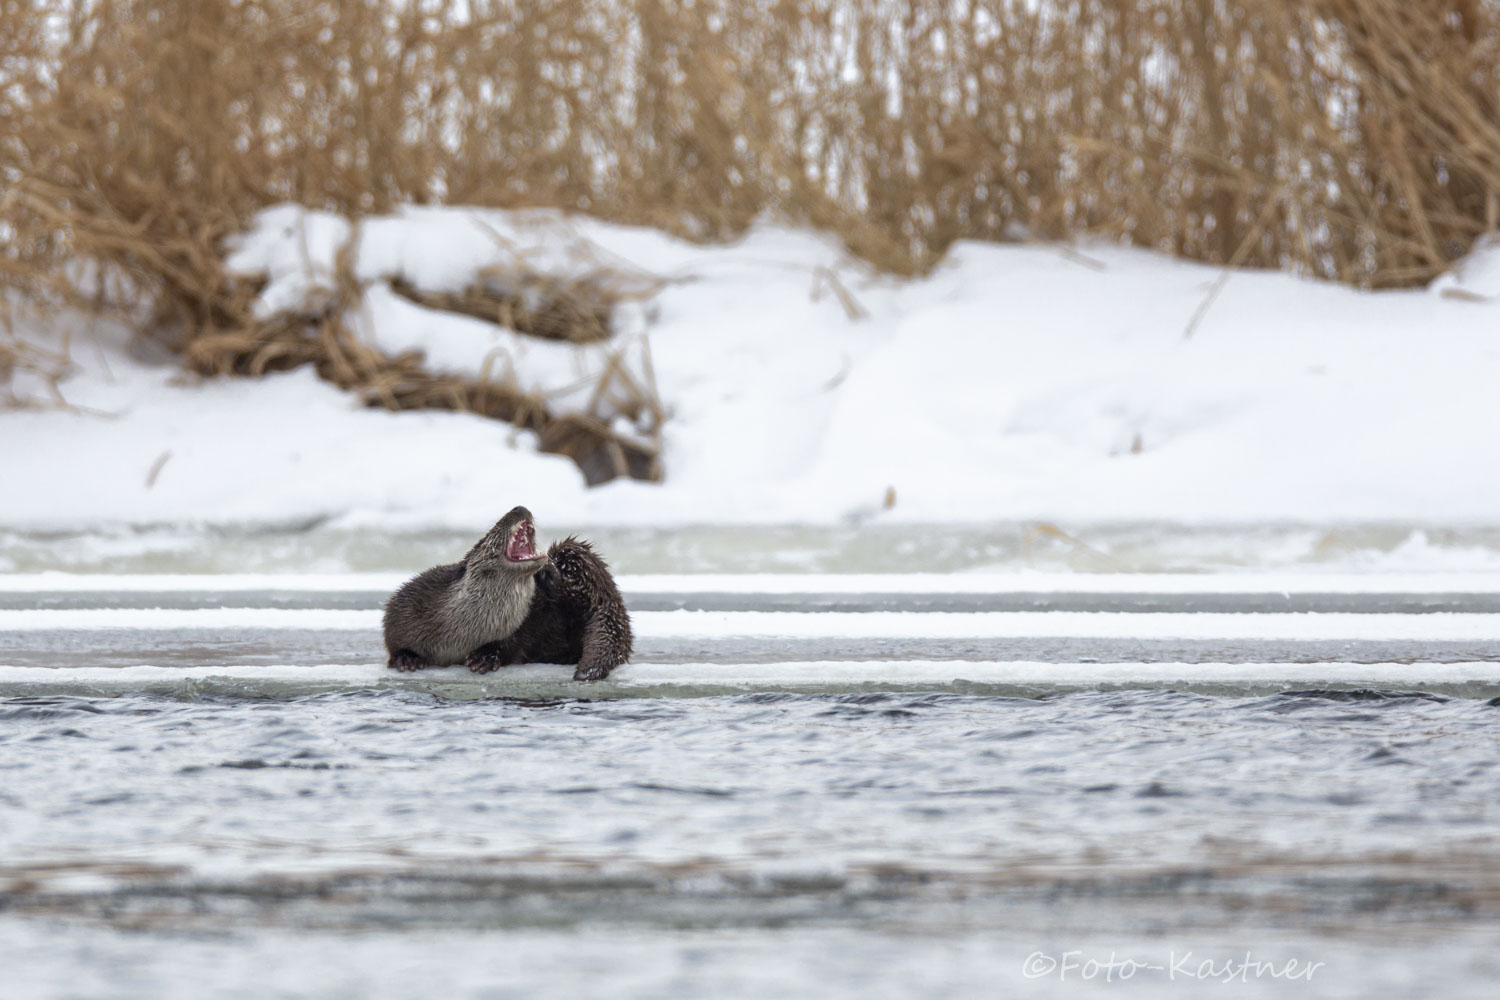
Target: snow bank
[297,253]
[1015,383]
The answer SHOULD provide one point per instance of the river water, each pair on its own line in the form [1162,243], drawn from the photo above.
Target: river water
[852,786]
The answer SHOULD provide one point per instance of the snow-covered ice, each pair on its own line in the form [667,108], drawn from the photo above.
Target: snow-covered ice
[1256,583]
[1433,627]
[672,679]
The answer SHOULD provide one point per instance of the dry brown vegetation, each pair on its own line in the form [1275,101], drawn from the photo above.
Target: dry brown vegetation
[1353,140]
[47,367]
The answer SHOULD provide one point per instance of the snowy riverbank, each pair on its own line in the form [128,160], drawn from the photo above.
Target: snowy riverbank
[1017,383]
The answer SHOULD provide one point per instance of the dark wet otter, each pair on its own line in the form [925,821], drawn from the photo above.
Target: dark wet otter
[577,616]
[454,613]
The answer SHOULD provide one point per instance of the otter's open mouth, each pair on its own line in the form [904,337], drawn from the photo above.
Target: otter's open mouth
[522,544]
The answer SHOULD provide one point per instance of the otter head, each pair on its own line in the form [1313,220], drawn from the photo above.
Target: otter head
[510,547]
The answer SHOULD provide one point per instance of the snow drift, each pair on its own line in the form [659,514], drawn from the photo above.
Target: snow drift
[1016,382]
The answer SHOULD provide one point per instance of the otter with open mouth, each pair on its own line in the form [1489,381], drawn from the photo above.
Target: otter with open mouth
[507,603]
[457,612]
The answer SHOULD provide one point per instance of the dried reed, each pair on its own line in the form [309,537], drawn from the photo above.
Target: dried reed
[1352,140]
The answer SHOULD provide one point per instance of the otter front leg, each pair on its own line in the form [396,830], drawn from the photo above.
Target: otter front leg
[606,645]
[490,657]
[593,670]
[406,661]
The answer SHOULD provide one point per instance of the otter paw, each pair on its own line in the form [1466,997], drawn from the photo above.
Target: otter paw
[592,672]
[405,661]
[547,579]
[485,660]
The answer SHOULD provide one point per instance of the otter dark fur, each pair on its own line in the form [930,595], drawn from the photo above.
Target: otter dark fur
[455,613]
[577,616]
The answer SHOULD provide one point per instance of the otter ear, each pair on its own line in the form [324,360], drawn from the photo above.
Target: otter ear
[547,578]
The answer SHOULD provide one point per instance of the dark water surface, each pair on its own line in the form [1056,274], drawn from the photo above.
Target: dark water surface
[393,842]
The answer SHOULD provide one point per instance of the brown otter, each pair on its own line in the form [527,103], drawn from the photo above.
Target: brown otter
[577,616]
[455,613]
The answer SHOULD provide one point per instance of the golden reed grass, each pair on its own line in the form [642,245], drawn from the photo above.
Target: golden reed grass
[1351,140]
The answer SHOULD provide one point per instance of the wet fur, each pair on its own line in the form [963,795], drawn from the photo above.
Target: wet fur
[577,616]
[446,614]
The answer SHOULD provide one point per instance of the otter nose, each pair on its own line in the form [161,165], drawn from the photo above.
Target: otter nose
[518,513]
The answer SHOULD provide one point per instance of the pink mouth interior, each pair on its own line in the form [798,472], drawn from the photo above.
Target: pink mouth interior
[522,544]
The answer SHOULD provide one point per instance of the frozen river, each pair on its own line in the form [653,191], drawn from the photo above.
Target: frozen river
[848,785]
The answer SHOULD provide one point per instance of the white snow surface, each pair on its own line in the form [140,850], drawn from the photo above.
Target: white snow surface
[1259,582]
[766,676]
[1016,382]
[1436,627]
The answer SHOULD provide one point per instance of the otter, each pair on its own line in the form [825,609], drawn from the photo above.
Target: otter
[577,616]
[456,612]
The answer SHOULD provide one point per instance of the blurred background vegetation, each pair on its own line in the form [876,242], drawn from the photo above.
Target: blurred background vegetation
[1351,140]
